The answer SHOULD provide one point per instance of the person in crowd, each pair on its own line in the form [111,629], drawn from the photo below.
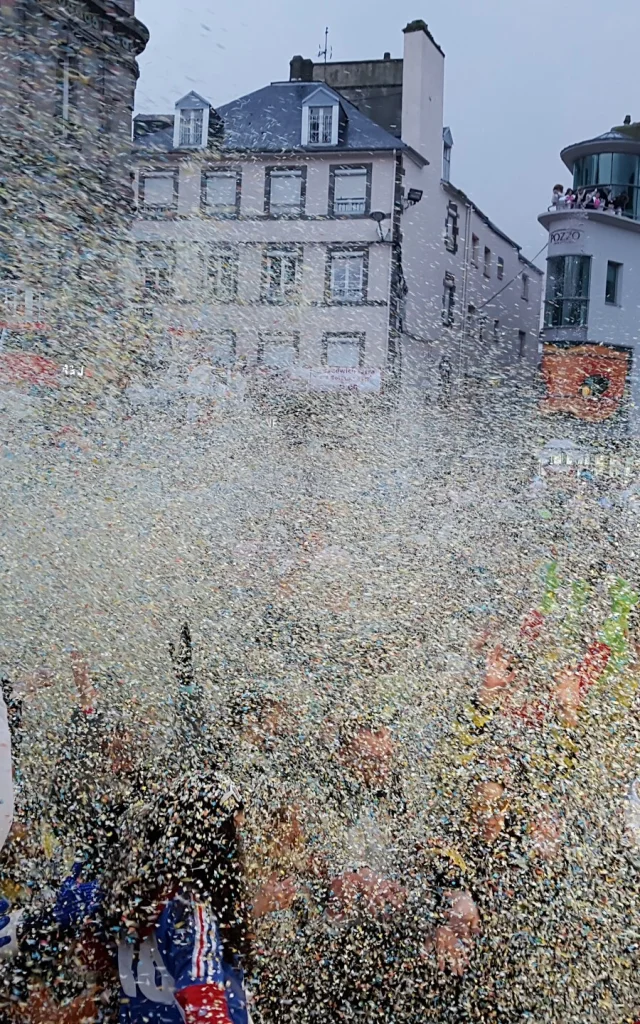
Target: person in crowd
[175,903]
[557,198]
[620,204]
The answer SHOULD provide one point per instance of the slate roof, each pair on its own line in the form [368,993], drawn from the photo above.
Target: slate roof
[270,121]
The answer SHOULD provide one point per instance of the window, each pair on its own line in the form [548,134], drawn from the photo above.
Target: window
[487,262]
[222,273]
[522,344]
[496,330]
[617,173]
[349,191]
[613,282]
[67,81]
[157,265]
[281,273]
[158,191]
[567,297]
[285,191]
[347,276]
[446,163]
[343,350]
[475,250]
[500,268]
[448,299]
[191,126]
[278,351]
[320,126]
[525,287]
[221,193]
[472,320]
[220,351]
[451,228]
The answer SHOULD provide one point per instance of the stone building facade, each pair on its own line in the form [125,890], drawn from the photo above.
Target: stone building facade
[68,74]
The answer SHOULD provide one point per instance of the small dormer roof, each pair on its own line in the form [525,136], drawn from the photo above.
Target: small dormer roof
[321,96]
[192,101]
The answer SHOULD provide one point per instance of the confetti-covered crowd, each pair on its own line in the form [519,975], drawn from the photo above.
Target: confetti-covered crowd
[414,823]
[136,892]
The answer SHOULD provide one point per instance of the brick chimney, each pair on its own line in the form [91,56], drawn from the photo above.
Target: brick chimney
[422,92]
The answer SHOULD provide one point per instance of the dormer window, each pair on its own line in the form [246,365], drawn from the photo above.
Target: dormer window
[191,127]
[320,126]
[320,118]
[191,122]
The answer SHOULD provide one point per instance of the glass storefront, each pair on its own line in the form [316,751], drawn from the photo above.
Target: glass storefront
[618,173]
[567,297]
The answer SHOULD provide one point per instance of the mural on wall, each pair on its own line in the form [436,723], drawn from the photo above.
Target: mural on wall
[587,381]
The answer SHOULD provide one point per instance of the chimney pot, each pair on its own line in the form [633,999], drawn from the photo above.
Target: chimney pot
[295,68]
[627,119]
[387,55]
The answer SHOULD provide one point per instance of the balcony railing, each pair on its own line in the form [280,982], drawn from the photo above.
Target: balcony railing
[615,202]
[566,313]
[349,206]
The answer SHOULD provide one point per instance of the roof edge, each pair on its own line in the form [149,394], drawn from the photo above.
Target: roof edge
[448,187]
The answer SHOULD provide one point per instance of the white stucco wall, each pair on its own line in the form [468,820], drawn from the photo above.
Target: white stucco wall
[426,258]
[193,234]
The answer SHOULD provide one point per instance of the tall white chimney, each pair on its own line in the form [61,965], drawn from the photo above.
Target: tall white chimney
[422,92]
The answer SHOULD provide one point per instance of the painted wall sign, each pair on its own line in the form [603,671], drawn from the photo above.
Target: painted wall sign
[587,381]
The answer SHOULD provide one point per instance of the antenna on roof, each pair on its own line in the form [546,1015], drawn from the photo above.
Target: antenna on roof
[326,53]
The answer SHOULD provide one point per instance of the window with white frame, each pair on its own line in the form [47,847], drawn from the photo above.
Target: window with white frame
[157,265]
[157,191]
[277,351]
[285,192]
[487,262]
[320,126]
[350,191]
[347,276]
[525,287]
[344,350]
[191,126]
[222,272]
[281,273]
[500,268]
[220,193]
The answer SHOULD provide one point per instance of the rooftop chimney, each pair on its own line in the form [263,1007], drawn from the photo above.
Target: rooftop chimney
[423,93]
[627,119]
[387,55]
[295,68]
[307,70]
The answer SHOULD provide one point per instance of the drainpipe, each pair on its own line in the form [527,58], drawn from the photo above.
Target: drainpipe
[465,286]
[391,258]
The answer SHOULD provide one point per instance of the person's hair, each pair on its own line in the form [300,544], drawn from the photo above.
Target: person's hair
[184,841]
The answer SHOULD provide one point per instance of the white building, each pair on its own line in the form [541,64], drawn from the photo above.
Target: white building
[296,228]
[592,310]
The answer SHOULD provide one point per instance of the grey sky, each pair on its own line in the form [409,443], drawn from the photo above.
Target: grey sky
[522,79]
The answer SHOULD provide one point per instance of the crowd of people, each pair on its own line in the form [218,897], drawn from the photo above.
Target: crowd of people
[145,887]
[593,197]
